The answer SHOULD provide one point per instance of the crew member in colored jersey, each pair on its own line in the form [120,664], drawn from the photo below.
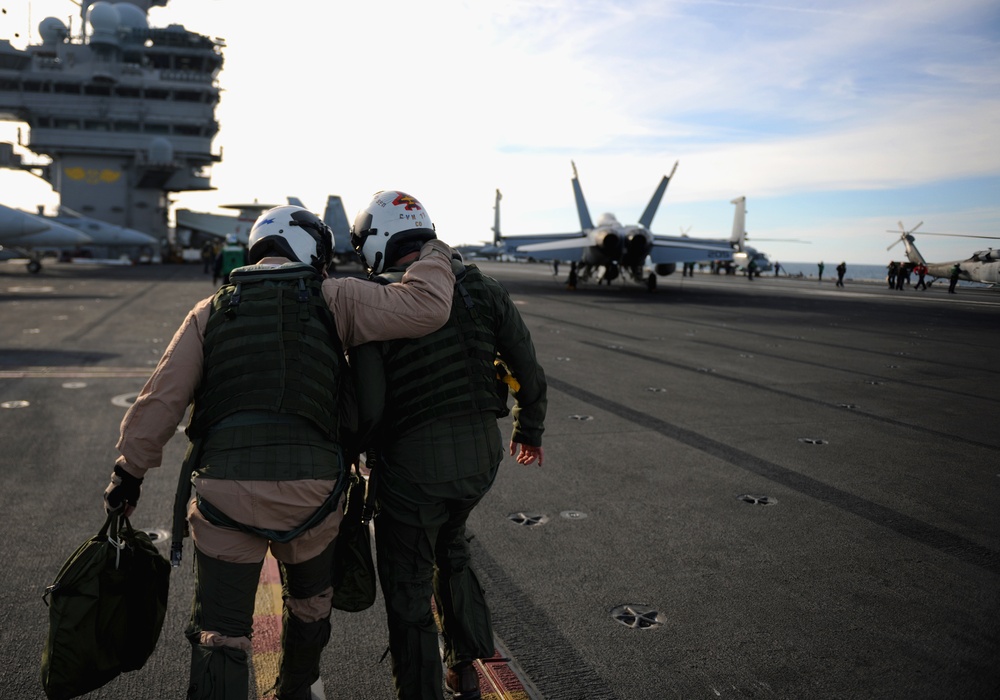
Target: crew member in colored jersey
[262,361]
[956,272]
[430,409]
[232,256]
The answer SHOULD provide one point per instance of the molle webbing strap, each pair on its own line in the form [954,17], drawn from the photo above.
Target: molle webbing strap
[450,371]
[270,345]
[279,447]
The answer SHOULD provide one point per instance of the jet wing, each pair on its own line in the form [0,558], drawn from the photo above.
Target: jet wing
[676,249]
[213,224]
[553,246]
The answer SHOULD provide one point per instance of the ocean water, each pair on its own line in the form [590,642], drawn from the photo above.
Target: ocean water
[857,273]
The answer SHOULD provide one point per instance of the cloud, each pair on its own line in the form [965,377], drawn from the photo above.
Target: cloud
[454,99]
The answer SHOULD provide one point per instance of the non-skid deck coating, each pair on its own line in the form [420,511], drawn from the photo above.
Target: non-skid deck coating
[865,417]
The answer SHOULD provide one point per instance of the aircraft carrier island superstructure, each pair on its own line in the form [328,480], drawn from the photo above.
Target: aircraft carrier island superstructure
[124,113]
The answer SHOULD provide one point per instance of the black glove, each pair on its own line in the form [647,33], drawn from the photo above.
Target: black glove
[123,490]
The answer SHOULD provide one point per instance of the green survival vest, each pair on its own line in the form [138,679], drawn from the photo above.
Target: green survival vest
[450,371]
[270,346]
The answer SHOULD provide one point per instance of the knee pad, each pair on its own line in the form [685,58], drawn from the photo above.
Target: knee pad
[311,609]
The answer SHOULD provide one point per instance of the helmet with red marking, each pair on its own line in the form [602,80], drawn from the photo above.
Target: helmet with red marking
[393,225]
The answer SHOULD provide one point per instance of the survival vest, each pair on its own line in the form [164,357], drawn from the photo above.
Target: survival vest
[450,371]
[270,345]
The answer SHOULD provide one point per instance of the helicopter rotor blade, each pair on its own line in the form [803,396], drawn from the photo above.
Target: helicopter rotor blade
[950,235]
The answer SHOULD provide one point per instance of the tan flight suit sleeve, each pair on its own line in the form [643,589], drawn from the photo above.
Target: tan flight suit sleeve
[419,304]
[153,419]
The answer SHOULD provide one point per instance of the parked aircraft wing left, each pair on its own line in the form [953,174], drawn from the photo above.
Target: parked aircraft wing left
[213,224]
[102,232]
[575,242]
[19,229]
[556,246]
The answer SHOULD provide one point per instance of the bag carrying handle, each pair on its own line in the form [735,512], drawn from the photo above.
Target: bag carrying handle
[119,533]
[110,532]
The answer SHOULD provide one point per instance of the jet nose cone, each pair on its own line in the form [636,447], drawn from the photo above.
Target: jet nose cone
[15,224]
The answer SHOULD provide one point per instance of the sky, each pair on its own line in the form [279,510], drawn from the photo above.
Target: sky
[835,120]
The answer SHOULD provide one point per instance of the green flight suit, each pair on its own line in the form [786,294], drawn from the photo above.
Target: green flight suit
[433,470]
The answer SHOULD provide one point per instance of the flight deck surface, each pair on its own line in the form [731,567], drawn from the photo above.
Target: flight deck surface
[767,489]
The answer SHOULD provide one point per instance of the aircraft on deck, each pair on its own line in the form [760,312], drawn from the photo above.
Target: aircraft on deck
[983,266]
[612,247]
[221,225]
[744,254]
[495,249]
[102,233]
[335,216]
[31,235]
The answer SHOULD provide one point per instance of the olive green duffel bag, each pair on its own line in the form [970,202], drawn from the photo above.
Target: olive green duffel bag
[106,609]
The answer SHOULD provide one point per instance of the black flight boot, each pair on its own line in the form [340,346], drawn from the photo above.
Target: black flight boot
[463,681]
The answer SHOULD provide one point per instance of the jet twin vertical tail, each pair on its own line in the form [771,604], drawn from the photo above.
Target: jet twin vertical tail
[336,218]
[646,220]
[586,223]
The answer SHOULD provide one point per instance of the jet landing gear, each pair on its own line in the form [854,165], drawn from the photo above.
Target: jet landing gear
[651,282]
[34,265]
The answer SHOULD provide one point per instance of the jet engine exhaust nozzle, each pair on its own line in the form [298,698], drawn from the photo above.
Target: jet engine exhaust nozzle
[637,248]
[611,245]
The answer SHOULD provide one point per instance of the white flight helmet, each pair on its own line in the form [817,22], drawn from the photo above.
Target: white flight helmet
[391,226]
[294,233]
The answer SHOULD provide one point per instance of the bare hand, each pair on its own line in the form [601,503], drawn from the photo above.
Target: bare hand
[527,454]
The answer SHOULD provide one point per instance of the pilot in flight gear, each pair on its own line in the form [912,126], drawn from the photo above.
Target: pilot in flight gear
[262,361]
[428,416]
